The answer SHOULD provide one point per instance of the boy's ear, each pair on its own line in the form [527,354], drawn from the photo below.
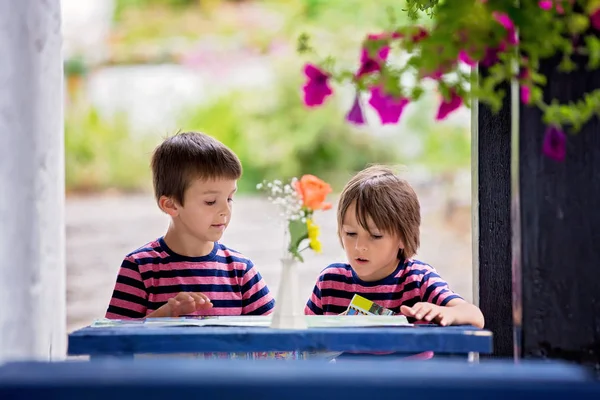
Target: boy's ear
[168,206]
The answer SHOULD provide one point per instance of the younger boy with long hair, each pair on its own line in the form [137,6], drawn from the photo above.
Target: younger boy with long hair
[378,225]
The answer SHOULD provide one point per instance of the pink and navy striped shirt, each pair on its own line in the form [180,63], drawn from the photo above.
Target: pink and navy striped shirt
[152,274]
[412,282]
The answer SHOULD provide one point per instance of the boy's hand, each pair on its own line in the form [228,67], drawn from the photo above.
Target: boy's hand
[430,312]
[188,303]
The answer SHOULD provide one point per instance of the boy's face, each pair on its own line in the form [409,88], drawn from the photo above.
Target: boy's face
[207,208]
[373,256]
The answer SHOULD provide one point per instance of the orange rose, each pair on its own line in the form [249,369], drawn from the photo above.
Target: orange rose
[313,192]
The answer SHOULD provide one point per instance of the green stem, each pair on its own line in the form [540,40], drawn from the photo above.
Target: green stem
[307,247]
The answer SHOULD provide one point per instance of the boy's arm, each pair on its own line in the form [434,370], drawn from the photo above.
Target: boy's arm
[437,291]
[256,297]
[129,296]
[464,313]
[162,312]
[314,305]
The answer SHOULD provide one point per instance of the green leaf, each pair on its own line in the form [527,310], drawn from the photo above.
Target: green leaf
[593,44]
[298,233]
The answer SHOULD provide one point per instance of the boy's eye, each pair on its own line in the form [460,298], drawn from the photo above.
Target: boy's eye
[351,234]
[376,236]
[230,200]
[210,203]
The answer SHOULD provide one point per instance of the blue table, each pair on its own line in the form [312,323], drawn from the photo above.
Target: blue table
[120,379]
[122,341]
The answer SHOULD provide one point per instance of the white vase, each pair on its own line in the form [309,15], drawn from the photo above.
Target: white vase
[288,312]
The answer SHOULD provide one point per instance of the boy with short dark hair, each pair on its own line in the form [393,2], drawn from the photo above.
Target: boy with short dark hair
[187,271]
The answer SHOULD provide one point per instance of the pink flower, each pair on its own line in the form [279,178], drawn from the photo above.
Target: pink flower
[355,115]
[388,107]
[525,94]
[419,35]
[317,88]
[504,20]
[525,90]
[555,144]
[549,4]
[448,106]
[370,64]
[466,58]
[491,55]
[384,36]
[595,19]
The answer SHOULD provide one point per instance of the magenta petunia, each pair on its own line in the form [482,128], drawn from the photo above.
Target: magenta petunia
[525,94]
[555,144]
[466,58]
[504,20]
[419,35]
[447,106]
[384,36]
[595,19]
[356,115]
[369,64]
[316,88]
[388,107]
[548,5]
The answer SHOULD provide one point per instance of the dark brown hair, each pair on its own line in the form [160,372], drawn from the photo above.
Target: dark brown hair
[388,200]
[188,156]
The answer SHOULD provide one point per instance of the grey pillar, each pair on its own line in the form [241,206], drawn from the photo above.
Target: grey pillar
[32,259]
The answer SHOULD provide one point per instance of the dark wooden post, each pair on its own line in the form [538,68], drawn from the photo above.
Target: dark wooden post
[559,204]
[491,166]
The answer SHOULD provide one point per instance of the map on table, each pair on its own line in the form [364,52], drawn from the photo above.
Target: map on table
[312,321]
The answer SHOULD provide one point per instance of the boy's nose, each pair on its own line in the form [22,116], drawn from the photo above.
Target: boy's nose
[360,246]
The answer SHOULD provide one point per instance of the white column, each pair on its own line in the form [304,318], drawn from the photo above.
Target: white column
[32,230]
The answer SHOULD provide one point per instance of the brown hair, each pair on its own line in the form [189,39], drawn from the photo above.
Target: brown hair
[388,200]
[187,156]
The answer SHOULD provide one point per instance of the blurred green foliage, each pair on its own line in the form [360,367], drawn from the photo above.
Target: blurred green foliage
[123,5]
[445,145]
[277,137]
[274,135]
[101,154]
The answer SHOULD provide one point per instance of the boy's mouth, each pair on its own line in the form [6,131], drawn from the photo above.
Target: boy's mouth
[361,260]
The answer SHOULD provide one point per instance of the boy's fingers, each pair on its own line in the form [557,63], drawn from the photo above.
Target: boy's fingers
[184,297]
[405,310]
[431,314]
[202,301]
[198,299]
[205,297]
[201,298]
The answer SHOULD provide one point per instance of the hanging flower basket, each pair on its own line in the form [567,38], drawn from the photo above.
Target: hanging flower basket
[506,37]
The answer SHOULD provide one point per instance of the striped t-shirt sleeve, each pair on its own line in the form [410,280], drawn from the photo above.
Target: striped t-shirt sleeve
[256,297]
[434,289]
[129,296]
[314,305]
